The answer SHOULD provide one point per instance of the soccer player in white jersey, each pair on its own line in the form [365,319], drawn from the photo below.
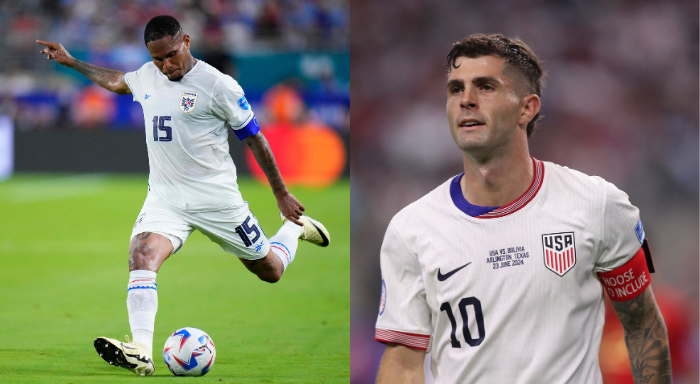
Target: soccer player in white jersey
[499,272]
[188,108]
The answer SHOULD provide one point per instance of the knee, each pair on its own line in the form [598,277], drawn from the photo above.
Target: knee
[140,257]
[270,276]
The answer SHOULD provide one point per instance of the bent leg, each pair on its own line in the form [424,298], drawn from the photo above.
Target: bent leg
[268,269]
[283,246]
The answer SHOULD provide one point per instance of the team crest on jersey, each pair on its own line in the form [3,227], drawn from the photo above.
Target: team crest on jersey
[559,252]
[187,101]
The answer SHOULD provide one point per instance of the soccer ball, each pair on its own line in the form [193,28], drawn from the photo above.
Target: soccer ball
[189,352]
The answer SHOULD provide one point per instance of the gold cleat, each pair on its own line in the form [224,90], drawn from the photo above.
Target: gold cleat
[131,356]
[314,232]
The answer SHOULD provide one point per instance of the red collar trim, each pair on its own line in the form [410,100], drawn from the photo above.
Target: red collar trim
[524,198]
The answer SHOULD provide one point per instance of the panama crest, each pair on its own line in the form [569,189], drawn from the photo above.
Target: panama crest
[559,252]
[188,100]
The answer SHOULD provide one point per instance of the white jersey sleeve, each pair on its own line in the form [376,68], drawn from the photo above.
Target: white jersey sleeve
[134,80]
[623,233]
[230,104]
[404,316]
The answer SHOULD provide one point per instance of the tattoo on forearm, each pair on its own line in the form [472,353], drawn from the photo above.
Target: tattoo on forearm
[266,160]
[646,339]
[104,77]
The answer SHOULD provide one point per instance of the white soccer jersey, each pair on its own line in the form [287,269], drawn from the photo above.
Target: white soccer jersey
[186,133]
[511,296]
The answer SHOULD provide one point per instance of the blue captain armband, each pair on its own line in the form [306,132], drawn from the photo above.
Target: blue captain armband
[249,130]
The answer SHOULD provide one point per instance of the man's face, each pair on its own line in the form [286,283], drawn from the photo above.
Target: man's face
[482,106]
[170,54]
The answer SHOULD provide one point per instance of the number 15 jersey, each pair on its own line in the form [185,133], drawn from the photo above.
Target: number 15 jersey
[187,135]
[510,296]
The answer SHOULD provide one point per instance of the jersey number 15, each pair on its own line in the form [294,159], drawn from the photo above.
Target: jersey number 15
[159,125]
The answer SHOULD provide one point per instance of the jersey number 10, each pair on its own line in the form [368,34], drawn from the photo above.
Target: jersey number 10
[159,125]
[473,301]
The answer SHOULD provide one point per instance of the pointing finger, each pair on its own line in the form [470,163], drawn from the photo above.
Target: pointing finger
[48,44]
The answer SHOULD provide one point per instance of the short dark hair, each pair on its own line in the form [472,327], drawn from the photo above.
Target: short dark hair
[160,27]
[517,55]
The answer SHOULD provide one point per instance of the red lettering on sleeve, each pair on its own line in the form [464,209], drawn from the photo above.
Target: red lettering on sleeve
[628,281]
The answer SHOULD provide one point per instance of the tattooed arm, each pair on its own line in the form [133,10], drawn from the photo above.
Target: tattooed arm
[290,207]
[646,338]
[109,79]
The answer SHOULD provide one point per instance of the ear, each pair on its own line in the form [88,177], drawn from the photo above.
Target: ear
[530,108]
[186,39]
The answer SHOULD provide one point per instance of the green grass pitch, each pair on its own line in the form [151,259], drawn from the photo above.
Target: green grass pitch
[63,257]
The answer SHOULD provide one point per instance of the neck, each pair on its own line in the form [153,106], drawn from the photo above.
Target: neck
[499,180]
[190,64]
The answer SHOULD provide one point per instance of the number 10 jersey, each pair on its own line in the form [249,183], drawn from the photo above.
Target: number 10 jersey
[511,296]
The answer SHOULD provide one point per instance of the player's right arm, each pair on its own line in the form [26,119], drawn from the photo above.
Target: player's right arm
[404,319]
[401,364]
[109,79]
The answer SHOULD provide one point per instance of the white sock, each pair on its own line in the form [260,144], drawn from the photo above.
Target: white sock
[284,242]
[142,304]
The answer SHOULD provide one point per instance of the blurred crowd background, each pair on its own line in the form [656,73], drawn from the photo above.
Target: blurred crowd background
[303,44]
[621,102]
[290,56]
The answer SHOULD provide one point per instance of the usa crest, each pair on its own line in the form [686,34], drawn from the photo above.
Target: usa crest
[559,252]
[188,100]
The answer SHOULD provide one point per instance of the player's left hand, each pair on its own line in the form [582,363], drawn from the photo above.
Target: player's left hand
[290,207]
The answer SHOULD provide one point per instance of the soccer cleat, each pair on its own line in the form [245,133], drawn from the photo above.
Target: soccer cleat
[314,232]
[131,356]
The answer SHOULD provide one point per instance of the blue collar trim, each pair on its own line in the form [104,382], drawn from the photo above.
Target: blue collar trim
[462,203]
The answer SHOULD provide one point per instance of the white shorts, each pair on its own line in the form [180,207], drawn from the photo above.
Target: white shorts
[236,230]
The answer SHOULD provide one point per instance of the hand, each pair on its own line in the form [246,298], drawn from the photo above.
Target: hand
[290,207]
[57,52]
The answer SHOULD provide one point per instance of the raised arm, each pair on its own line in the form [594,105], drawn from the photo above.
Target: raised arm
[109,79]
[290,207]
[401,364]
[646,338]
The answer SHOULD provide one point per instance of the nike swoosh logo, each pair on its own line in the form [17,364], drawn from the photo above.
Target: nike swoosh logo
[324,239]
[446,276]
